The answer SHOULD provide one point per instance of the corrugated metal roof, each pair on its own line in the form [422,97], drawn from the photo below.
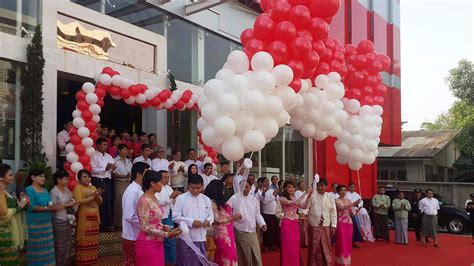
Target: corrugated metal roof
[420,144]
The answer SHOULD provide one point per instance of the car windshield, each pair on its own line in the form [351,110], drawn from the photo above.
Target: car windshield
[442,200]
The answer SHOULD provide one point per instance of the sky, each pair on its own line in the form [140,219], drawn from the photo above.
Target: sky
[435,35]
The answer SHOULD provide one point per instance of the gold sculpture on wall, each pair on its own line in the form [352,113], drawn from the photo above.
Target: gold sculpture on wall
[75,37]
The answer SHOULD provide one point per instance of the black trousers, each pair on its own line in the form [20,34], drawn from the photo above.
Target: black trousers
[417,227]
[105,209]
[271,238]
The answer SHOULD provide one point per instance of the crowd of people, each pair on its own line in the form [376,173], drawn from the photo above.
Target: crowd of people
[175,212]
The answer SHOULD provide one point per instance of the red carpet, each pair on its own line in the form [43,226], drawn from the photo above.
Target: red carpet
[453,251]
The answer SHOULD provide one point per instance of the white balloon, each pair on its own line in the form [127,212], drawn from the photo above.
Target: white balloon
[378,120]
[96,75]
[117,80]
[366,110]
[335,131]
[320,135]
[210,137]
[334,92]
[342,148]
[224,74]
[369,158]
[340,116]
[130,100]
[298,101]
[126,83]
[141,98]
[355,165]
[238,61]
[283,118]
[189,104]
[342,159]
[87,142]
[233,149]
[210,112]
[268,127]
[253,101]
[345,137]
[83,132]
[207,159]
[202,101]
[214,89]
[273,105]
[308,130]
[88,87]
[105,79]
[287,96]
[352,105]
[327,123]
[174,98]
[356,141]
[91,98]
[90,151]
[244,122]
[314,115]
[78,122]
[229,104]
[283,75]
[69,147]
[353,125]
[178,93]
[356,155]
[262,61]
[72,157]
[76,113]
[253,140]
[377,110]
[76,167]
[296,123]
[370,145]
[263,81]
[366,120]
[334,77]
[168,104]
[95,109]
[239,84]
[96,118]
[201,124]
[322,81]
[309,100]
[224,126]
[149,94]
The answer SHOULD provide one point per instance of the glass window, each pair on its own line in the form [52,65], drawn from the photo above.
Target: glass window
[92,4]
[7,109]
[429,176]
[180,50]
[272,159]
[179,131]
[8,16]
[383,175]
[216,51]
[294,154]
[402,175]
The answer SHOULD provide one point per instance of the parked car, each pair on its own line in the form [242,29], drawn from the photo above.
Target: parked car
[453,218]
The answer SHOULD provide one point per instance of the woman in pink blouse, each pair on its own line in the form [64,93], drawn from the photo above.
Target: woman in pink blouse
[344,227]
[290,230]
[149,245]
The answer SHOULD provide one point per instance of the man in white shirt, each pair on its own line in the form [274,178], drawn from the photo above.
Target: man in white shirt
[102,167]
[195,210]
[178,171]
[225,169]
[429,207]
[193,159]
[333,192]
[268,198]
[353,196]
[121,179]
[207,174]
[63,140]
[303,223]
[322,217]
[253,188]
[160,163]
[130,221]
[166,198]
[246,239]
[145,157]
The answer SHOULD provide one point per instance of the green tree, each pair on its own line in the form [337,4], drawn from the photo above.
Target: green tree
[461,114]
[31,98]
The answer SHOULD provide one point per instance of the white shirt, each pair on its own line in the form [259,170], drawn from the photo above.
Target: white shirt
[249,208]
[429,206]
[321,205]
[178,179]
[298,194]
[353,197]
[130,222]
[99,162]
[334,195]
[189,208]
[253,189]
[123,168]
[207,179]
[141,159]
[158,164]
[165,201]
[269,202]
[196,162]
[62,139]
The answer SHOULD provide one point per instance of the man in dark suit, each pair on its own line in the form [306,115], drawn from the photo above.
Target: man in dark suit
[416,214]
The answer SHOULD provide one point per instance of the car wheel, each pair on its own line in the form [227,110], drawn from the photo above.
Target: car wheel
[391,224]
[456,225]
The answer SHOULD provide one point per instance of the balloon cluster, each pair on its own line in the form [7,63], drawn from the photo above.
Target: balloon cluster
[242,110]
[90,100]
[363,81]
[321,113]
[291,31]
[332,54]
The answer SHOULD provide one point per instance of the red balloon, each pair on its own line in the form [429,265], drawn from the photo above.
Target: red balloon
[85,159]
[378,100]
[145,105]
[100,92]
[351,49]
[75,139]
[179,104]
[381,90]
[319,28]
[265,4]
[125,94]
[263,27]
[115,73]
[285,31]
[254,46]
[300,16]
[365,46]
[354,93]
[300,47]
[91,125]
[94,135]
[327,55]
[134,89]
[142,88]
[82,106]
[80,95]
[318,46]
[100,102]
[79,149]
[114,90]
[305,34]
[155,102]
[330,44]
[324,8]
[367,90]
[279,51]
[72,131]
[308,73]
[371,57]
[335,66]
[369,100]
[163,96]
[67,166]
[86,115]
[323,68]
[339,56]
[312,60]
[185,98]
[107,70]
[281,11]
[298,2]
[375,67]
[357,79]
[297,67]
[246,36]
[360,62]
[296,85]
[385,60]
[88,167]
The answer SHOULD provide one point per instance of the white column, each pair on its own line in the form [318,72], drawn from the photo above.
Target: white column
[17,139]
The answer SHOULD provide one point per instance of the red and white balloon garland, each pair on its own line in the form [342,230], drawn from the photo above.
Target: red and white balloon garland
[90,100]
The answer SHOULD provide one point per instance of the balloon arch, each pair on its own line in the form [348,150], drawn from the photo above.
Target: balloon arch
[290,71]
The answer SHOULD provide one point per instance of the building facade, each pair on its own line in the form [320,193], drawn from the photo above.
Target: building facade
[191,40]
